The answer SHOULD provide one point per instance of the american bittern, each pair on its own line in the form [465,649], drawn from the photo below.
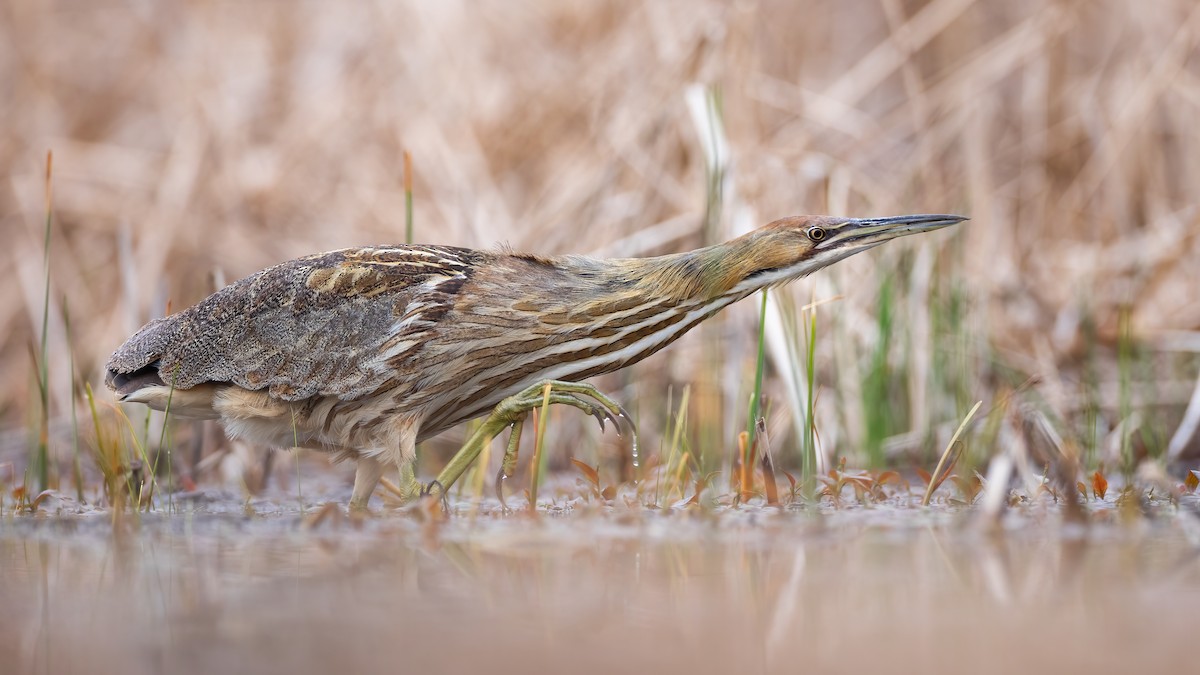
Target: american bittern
[365,352]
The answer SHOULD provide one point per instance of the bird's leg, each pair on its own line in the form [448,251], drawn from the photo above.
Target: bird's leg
[575,394]
[409,487]
[403,453]
[509,464]
[366,477]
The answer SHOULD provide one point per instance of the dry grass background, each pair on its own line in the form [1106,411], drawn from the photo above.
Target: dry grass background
[201,141]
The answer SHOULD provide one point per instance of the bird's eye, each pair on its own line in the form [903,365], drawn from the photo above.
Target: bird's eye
[816,233]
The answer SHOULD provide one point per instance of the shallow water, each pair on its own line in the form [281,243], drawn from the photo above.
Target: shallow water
[599,590]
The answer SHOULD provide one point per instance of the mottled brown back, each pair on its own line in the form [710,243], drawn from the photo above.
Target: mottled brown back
[308,327]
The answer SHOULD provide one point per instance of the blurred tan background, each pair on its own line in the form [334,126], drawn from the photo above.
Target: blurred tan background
[197,142]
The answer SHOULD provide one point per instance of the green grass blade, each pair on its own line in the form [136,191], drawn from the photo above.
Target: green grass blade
[759,367]
[41,460]
[808,467]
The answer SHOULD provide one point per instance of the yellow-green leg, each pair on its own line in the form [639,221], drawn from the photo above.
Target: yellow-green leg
[409,487]
[512,411]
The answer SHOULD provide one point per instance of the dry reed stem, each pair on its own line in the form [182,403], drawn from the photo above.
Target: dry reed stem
[196,141]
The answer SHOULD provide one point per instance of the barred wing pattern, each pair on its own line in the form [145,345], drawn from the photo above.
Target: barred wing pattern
[313,326]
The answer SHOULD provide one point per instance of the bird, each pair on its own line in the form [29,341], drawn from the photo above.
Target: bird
[365,352]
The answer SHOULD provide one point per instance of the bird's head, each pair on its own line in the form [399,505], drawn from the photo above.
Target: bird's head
[794,247]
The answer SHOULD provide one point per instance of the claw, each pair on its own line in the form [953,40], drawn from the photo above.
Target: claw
[500,476]
[603,415]
[608,415]
[427,491]
[622,414]
[628,418]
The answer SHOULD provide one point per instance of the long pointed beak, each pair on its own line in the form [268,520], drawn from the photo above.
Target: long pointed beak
[861,232]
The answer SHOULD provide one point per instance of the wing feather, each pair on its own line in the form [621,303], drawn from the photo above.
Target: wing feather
[323,325]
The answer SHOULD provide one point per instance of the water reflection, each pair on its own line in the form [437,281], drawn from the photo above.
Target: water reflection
[746,592]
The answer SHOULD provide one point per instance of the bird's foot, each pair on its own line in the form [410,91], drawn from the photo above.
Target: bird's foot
[410,488]
[432,489]
[580,395]
[435,490]
[406,491]
[509,464]
[511,412]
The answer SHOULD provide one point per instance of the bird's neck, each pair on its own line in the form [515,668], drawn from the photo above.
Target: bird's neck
[708,273]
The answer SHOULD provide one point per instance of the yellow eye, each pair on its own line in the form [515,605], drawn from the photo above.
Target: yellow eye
[816,233]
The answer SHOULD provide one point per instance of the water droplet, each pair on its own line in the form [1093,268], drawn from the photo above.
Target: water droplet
[637,458]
